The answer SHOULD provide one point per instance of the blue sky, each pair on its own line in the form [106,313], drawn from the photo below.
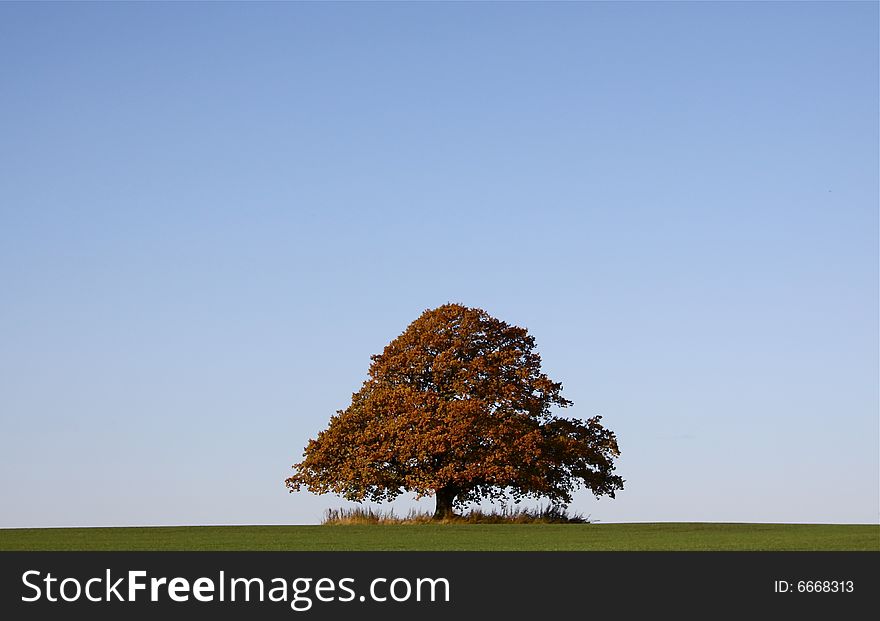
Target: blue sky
[211,216]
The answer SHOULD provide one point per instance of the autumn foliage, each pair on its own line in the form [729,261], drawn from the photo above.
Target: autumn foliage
[457,406]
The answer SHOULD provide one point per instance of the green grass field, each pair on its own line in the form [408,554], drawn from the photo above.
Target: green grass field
[665,536]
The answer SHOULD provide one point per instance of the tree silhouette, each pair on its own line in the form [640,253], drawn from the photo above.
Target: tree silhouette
[457,406]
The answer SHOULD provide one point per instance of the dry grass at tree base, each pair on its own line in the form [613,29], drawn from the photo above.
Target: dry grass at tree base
[538,515]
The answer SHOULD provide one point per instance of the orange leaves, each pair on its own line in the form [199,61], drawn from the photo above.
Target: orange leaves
[458,403]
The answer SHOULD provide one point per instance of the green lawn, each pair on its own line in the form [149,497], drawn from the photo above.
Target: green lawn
[666,536]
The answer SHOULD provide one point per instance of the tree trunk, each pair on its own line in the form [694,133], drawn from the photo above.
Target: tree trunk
[445,498]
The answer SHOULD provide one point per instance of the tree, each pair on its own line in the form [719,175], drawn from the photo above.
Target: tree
[457,406]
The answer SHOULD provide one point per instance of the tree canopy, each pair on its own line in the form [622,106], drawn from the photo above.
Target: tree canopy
[457,406]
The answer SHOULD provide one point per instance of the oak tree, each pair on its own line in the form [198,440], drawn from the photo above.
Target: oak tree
[457,406]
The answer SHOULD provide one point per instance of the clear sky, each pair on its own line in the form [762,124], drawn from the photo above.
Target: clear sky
[211,216]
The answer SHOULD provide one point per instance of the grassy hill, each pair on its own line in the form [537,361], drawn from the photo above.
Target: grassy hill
[663,536]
